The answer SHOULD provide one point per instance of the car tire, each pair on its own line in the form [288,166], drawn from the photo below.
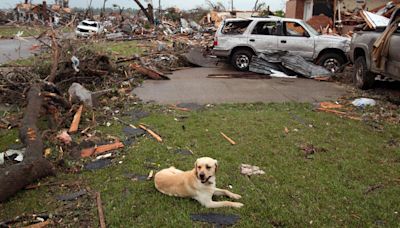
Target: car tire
[362,77]
[241,59]
[331,61]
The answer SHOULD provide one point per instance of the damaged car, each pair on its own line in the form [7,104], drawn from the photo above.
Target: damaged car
[88,28]
[239,39]
[376,53]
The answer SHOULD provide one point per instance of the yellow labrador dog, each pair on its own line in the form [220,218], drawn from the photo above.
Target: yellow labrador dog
[198,183]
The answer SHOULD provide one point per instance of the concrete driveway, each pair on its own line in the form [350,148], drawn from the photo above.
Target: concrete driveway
[12,49]
[193,86]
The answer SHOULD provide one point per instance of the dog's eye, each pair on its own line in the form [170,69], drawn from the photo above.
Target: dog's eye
[208,167]
[199,167]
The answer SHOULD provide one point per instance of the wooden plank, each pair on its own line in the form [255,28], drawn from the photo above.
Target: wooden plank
[153,74]
[101,149]
[40,224]
[75,122]
[228,139]
[152,133]
[100,210]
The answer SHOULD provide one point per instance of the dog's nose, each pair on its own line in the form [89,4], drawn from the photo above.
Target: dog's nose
[202,176]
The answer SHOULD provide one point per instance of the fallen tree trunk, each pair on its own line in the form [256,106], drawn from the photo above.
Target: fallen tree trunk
[34,166]
[16,177]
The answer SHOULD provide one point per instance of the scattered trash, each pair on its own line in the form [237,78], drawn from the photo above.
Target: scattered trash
[133,132]
[249,170]
[228,139]
[364,102]
[98,164]
[138,114]
[151,174]
[104,156]
[47,152]
[374,20]
[64,137]
[339,113]
[183,152]
[100,210]
[18,155]
[152,74]
[330,105]
[71,196]
[152,133]
[75,63]
[77,119]
[309,150]
[217,219]
[40,224]
[78,93]
[196,57]
[136,177]
[101,149]
[280,62]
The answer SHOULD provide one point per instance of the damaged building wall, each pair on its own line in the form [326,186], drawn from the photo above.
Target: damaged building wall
[369,4]
[301,9]
[295,9]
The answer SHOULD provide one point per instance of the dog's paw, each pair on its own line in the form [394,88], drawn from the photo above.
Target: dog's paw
[237,205]
[235,196]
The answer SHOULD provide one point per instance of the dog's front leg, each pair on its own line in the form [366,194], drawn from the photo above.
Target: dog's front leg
[216,204]
[224,192]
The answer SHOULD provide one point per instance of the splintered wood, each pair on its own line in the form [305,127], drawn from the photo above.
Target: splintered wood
[101,149]
[152,133]
[40,224]
[153,74]
[339,113]
[77,119]
[228,139]
[100,210]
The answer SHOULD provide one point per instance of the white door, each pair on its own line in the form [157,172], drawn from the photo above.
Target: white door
[308,10]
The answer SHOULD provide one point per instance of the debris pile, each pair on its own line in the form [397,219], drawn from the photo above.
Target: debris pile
[284,64]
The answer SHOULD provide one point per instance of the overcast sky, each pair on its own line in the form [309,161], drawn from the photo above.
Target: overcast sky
[183,4]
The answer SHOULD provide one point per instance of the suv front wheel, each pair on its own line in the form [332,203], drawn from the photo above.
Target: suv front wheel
[331,61]
[241,59]
[362,77]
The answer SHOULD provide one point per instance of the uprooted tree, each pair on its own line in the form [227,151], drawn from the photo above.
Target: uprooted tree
[42,94]
[147,12]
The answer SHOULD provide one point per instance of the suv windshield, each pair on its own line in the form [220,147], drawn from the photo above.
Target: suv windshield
[89,24]
[310,29]
[235,27]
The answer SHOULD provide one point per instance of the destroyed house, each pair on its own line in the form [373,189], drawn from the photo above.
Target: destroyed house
[306,9]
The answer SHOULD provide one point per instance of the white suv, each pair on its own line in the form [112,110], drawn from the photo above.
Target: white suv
[240,39]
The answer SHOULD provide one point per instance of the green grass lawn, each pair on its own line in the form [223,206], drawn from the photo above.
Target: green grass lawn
[326,189]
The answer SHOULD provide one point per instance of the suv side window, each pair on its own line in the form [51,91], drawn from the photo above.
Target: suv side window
[265,28]
[235,27]
[294,29]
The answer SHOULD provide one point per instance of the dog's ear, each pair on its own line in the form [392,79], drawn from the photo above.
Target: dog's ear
[195,166]
[216,165]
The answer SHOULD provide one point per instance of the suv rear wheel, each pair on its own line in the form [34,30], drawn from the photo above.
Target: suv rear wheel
[331,61]
[362,77]
[241,59]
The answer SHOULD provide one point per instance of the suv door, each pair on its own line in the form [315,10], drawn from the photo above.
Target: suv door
[264,37]
[296,40]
